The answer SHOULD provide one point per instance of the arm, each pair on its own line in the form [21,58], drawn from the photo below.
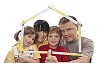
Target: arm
[83,59]
[10,57]
[23,59]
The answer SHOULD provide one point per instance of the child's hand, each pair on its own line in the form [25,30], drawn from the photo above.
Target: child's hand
[23,59]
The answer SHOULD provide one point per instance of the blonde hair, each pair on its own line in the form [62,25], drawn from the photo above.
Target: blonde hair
[55,29]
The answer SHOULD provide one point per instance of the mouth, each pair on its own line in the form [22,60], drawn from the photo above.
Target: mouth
[67,37]
[29,43]
[53,41]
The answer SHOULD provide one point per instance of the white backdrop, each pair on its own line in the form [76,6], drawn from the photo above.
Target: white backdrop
[12,12]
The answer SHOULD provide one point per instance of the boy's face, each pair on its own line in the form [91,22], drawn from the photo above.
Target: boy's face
[41,36]
[28,40]
[69,31]
[53,38]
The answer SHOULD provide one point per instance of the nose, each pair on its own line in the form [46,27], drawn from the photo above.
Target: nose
[42,33]
[66,33]
[30,40]
[53,38]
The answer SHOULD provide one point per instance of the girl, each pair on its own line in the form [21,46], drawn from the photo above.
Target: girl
[54,37]
[28,43]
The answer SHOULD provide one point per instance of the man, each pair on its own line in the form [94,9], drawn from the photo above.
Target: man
[70,41]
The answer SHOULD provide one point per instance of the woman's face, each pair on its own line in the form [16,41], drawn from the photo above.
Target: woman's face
[41,36]
[29,40]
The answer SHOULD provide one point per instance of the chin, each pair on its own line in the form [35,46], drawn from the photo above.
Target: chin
[41,41]
[68,40]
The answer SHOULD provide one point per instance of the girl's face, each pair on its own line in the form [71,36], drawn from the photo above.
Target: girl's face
[28,40]
[53,39]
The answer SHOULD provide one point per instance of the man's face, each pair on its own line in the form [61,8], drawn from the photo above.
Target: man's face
[69,31]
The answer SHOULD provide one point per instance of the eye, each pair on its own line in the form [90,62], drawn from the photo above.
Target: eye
[50,36]
[62,31]
[33,39]
[56,36]
[69,29]
[29,36]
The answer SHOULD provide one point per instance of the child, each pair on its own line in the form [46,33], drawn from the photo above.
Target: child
[54,37]
[28,43]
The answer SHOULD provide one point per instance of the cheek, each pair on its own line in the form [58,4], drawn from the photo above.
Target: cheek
[73,35]
[63,34]
[45,35]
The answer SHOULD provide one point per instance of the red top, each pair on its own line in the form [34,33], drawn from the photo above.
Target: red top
[60,58]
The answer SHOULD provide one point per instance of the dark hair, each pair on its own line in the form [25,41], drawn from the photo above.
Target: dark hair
[41,25]
[64,20]
[27,30]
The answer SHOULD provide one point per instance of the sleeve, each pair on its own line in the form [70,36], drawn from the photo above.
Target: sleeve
[10,57]
[65,58]
[36,55]
[87,47]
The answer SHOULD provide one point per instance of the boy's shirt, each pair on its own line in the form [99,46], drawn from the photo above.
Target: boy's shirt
[60,58]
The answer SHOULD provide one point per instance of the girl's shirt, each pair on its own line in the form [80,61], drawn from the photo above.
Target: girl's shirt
[10,56]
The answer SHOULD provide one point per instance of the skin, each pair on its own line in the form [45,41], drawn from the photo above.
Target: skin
[53,39]
[69,31]
[42,36]
[28,41]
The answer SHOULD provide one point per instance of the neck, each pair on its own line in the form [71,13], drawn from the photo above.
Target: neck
[53,47]
[37,43]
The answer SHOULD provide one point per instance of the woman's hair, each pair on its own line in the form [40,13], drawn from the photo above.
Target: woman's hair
[27,30]
[55,29]
[41,25]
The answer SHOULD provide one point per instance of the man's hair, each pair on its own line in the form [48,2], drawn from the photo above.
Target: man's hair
[41,25]
[64,20]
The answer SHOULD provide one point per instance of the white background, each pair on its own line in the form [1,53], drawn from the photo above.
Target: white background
[12,12]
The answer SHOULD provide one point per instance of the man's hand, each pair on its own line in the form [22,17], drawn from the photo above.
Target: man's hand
[52,59]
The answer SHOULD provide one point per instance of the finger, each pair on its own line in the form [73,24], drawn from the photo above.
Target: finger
[48,58]
[46,61]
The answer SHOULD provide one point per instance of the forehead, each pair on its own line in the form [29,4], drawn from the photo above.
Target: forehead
[67,25]
[31,35]
[53,33]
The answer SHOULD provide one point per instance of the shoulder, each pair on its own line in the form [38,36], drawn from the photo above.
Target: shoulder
[17,44]
[87,47]
[63,49]
[84,39]
[43,47]
[46,42]
[34,45]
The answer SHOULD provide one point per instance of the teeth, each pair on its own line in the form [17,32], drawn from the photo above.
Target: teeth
[28,43]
